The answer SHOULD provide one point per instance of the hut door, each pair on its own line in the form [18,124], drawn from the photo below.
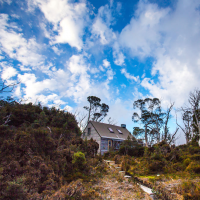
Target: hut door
[109,144]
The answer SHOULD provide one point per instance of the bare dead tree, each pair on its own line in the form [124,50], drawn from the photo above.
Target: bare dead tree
[194,101]
[187,121]
[167,117]
[173,137]
[191,116]
[6,88]
[81,119]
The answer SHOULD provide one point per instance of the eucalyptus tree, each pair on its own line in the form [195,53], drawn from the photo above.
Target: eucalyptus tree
[150,114]
[96,110]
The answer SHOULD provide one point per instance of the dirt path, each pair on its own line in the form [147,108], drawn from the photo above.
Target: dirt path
[114,187]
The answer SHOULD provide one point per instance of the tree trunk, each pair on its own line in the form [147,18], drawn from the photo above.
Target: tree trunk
[146,138]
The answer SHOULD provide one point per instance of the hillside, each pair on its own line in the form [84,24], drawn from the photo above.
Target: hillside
[40,151]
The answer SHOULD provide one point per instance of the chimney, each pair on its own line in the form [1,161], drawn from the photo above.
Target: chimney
[123,125]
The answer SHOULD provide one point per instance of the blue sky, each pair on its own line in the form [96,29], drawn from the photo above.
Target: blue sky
[63,51]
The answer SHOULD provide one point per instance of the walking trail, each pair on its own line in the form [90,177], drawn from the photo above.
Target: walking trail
[115,186]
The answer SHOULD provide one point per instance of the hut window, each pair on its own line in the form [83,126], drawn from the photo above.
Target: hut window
[119,131]
[110,129]
[89,131]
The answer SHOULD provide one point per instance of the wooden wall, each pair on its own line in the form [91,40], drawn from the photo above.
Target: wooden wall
[93,135]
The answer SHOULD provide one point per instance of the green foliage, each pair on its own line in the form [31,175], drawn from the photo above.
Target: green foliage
[131,147]
[79,160]
[36,143]
[193,167]
[90,147]
[15,190]
[96,110]
[187,161]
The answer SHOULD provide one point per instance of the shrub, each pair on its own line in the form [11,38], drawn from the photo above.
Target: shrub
[156,166]
[190,190]
[187,161]
[178,166]
[194,149]
[196,157]
[79,160]
[117,159]
[126,163]
[193,167]
[15,190]
[131,148]
[90,147]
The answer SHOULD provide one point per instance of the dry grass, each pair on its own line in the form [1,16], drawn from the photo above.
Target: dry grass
[114,187]
[108,185]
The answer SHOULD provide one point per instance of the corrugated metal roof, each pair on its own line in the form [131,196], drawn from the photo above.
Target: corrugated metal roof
[103,130]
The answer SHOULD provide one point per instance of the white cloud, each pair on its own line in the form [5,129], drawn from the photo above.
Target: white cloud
[22,68]
[76,65]
[123,85]
[141,36]
[68,19]
[101,26]
[143,75]
[110,74]
[56,50]
[122,111]
[117,91]
[68,108]
[17,91]
[8,72]
[128,76]
[94,70]
[171,37]
[101,68]
[5,1]
[17,47]
[106,63]
[118,55]
[119,58]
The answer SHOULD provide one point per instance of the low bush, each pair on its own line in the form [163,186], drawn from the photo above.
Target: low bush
[156,166]
[196,157]
[79,160]
[193,167]
[187,161]
[194,149]
[15,190]
[190,190]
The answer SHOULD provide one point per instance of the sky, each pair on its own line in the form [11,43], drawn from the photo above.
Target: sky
[63,51]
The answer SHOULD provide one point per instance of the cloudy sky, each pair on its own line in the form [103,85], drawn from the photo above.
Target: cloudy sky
[62,51]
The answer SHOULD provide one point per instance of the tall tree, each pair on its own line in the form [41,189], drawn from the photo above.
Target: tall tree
[96,110]
[154,121]
[151,116]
